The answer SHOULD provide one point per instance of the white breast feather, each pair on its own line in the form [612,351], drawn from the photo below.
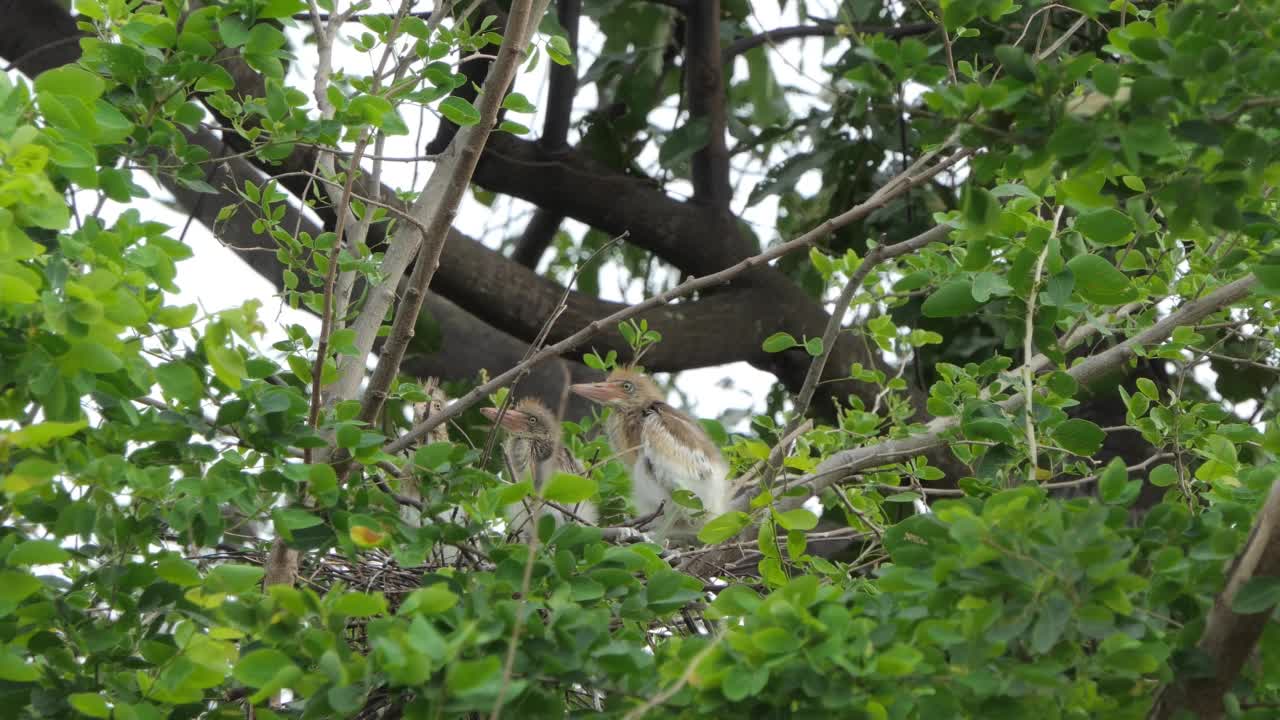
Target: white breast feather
[666,465]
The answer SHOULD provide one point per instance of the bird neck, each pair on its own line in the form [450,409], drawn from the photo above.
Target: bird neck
[531,449]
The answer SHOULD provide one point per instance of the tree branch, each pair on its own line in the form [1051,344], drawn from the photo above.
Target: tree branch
[893,189]
[704,93]
[845,463]
[456,170]
[742,45]
[563,88]
[1229,637]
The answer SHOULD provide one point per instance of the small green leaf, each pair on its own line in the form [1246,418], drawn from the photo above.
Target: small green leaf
[431,600]
[459,111]
[38,552]
[798,519]
[813,346]
[778,342]
[1105,227]
[360,604]
[91,704]
[233,578]
[954,299]
[259,667]
[1098,281]
[568,489]
[723,527]
[41,434]
[1163,475]
[179,380]
[1112,482]
[1079,436]
[1257,595]
[516,102]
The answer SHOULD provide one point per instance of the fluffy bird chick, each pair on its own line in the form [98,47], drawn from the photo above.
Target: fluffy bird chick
[533,448]
[433,405]
[665,450]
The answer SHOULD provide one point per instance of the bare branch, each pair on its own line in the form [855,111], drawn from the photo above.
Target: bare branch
[1229,637]
[844,464]
[704,93]
[458,167]
[893,189]
[742,45]
[563,88]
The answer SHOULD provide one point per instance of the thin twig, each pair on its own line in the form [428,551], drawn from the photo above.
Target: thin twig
[1028,347]
[679,684]
[846,462]
[895,188]
[540,339]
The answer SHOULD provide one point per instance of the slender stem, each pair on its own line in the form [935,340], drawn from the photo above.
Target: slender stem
[1028,349]
[893,189]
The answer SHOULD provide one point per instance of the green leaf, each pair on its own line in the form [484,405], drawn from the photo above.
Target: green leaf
[38,552]
[14,668]
[459,111]
[1105,227]
[1050,623]
[1111,484]
[1163,475]
[259,667]
[954,299]
[179,380]
[15,586]
[898,661]
[180,572]
[723,527]
[359,604]
[683,142]
[778,342]
[798,519]
[1259,594]
[813,346]
[41,434]
[516,102]
[1098,281]
[234,579]
[71,81]
[91,704]
[466,676]
[1079,436]
[431,600]
[568,489]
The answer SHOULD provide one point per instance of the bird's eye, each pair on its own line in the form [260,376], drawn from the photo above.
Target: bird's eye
[533,420]
[627,387]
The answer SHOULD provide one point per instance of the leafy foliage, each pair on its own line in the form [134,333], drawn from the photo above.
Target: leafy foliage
[1123,166]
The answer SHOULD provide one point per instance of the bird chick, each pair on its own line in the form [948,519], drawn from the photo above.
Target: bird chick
[665,450]
[533,448]
[410,485]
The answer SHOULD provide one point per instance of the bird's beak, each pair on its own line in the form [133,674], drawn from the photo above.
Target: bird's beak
[511,419]
[601,392]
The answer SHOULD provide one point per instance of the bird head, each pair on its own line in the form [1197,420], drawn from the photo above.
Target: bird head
[527,418]
[624,389]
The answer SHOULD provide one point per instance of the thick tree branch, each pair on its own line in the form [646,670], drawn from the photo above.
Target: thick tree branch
[742,45]
[563,88]
[844,464]
[1229,637]
[457,168]
[893,189]
[704,93]
[41,35]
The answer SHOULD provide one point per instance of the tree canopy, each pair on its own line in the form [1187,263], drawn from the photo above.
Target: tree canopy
[1018,296]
